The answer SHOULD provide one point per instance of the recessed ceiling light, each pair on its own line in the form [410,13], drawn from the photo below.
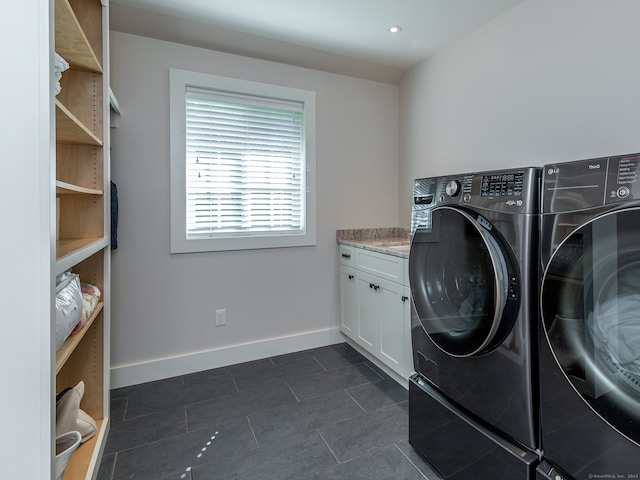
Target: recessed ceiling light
[395,29]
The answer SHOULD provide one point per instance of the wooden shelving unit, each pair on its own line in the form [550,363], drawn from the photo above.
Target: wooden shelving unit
[81,184]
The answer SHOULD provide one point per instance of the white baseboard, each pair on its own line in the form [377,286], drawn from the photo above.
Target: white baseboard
[127,375]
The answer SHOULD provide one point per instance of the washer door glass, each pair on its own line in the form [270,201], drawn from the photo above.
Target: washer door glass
[460,282]
[590,304]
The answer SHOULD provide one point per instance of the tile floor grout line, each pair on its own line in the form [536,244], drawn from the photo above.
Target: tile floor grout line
[410,461]
[320,363]
[113,470]
[351,396]
[286,382]
[253,432]
[371,368]
[235,384]
[126,407]
[328,447]
[186,417]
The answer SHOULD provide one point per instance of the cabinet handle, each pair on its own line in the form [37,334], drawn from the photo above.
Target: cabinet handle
[350,277]
[375,287]
[404,298]
[346,255]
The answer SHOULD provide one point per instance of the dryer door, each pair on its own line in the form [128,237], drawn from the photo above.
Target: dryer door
[463,283]
[590,301]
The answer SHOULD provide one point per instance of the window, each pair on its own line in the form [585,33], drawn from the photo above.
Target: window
[242,164]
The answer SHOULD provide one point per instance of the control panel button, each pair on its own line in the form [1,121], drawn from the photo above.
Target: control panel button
[453,188]
[623,192]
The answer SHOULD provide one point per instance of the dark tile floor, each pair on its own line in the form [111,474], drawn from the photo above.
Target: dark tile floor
[325,413]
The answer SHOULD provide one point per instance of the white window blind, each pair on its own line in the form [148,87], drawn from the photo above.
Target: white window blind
[245,165]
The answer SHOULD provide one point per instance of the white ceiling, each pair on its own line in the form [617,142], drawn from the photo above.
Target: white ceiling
[332,30]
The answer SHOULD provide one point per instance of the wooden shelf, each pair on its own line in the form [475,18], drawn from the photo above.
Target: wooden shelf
[71,42]
[69,345]
[70,251]
[63,188]
[71,130]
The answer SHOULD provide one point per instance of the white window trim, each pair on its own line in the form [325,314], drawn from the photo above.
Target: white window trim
[178,81]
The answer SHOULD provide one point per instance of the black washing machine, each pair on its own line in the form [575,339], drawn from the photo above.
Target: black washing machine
[590,311]
[473,276]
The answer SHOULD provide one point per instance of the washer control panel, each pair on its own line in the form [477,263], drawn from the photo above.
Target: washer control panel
[575,186]
[626,170]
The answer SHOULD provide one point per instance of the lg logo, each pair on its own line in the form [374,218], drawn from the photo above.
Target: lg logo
[553,170]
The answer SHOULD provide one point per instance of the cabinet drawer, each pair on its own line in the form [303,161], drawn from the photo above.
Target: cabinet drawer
[385,266]
[347,255]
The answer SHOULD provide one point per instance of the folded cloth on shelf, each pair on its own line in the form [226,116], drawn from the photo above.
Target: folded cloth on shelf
[90,298]
[59,66]
[69,416]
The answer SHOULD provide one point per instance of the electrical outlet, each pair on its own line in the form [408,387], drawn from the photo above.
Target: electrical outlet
[221,317]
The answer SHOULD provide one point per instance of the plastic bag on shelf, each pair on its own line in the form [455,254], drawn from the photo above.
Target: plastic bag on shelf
[68,305]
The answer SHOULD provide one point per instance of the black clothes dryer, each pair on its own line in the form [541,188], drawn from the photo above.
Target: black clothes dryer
[473,278]
[590,312]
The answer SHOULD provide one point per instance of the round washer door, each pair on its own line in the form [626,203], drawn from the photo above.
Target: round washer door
[590,304]
[463,284]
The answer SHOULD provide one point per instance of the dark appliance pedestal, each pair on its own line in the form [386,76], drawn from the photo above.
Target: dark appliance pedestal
[456,445]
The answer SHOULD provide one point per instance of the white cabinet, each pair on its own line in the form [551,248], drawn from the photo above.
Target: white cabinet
[368,317]
[374,305]
[348,300]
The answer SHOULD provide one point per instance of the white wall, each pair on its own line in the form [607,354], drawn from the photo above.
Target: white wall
[163,305]
[26,303]
[549,80]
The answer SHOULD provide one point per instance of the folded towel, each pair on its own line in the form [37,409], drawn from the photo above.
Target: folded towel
[59,66]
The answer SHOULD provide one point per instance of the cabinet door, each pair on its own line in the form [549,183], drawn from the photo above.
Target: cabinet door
[369,312]
[392,325]
[348,301]
[408,347]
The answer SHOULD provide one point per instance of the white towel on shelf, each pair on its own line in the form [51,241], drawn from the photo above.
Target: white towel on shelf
[60,65]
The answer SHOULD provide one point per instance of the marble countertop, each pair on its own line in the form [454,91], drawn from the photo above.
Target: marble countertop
[393,241]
